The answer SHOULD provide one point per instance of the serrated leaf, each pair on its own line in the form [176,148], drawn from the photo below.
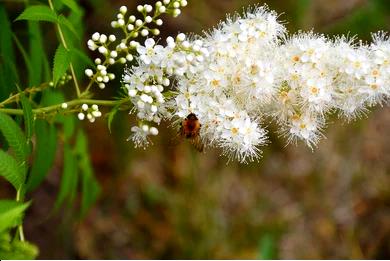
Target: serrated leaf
[68,186]
[45,152]
[64,21]
[9,169]
[38,13]
[90,188]
[72,4]
[11,213]
[15,137]
[61,63]
[28,117]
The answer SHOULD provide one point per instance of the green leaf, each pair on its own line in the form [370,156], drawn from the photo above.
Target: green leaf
[11,213]
[61,63]
[36,53]
[9,169]
[90,188]
[28,117]
[15,137]
[45,153]
[38,13]
[72,4]
[64,21]
[267,247]
[68,186]
[20,250]
[8,75]
[26,59]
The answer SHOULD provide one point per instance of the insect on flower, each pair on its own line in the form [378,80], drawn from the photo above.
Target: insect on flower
[190,128]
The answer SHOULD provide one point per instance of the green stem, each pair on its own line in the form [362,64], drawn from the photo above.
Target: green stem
[72,103]
[20,227]
[62,38]
[31,90]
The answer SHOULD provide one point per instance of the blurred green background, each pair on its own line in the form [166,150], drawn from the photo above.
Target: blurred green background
[169,201]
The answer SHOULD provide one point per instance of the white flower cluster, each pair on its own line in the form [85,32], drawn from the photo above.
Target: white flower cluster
[121,50]
[247,71]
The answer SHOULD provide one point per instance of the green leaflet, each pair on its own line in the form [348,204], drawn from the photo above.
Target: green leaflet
[9,169]
[90,187]
[45,152]
[72,4]
[61,63]
[68,186]
[15,137]
[38,13]
[11,213]
[8,75]
[36,53]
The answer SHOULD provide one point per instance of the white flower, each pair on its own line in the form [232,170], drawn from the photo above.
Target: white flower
[150,52]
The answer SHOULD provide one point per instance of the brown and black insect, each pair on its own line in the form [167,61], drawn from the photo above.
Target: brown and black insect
[190,128]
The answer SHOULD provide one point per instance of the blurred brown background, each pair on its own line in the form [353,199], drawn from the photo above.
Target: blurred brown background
[171,202]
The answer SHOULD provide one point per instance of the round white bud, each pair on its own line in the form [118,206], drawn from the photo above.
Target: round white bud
[138,22]
[99,79]
[112,38]
[159,22]
[162,9]
[153,108]
[123,9]
[102,85]
[132,18]
[111,76]
[176,5]
[96,36]
[121,22]
[81,116]
[95,107]
[106,79]
[103,38]
[119,16]
[153,131]
[183,3]
[158,4]
[111,60]
[140,104]
[130,27]
[98,61]
[89,117]
[166,1]
[64,105]
[156,31]
[148,8]
[144,32]
[113,54]
[102,50]
[129,57]
[148,19]
[176,12]
[84,107]
[140,8]
[88,72]
[145,128]
[181,37]
[122,60]
[114,24]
